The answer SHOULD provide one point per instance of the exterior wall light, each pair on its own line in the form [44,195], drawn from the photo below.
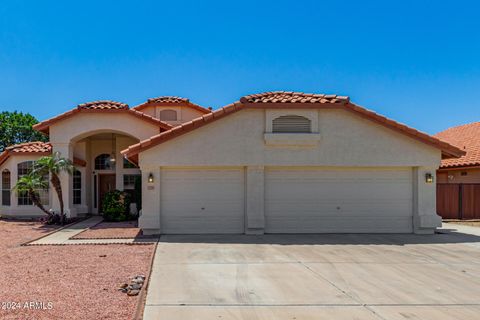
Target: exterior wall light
[428,177]
[150,178]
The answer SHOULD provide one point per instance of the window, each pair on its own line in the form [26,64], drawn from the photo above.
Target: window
[129,181]
[102,162]
[77,187]
[24,168]
[291,124]
[168,115]
[6,185]
[129,165]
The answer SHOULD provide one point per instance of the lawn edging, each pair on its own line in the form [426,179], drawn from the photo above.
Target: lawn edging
[138,315]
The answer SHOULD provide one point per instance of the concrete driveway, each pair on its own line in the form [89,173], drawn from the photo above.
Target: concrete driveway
[316,277]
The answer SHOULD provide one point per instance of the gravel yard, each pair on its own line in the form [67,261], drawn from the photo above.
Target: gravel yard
[111,230]
[79,281]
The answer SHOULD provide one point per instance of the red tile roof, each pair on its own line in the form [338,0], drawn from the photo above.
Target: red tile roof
[100,107]
[281,99]
[36,148]
[172,101]
[465,137]
[103,105]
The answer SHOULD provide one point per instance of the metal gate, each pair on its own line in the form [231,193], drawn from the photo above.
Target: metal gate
[458,200]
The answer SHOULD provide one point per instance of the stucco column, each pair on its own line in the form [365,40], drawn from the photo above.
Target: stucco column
[149,219]
[66,151]
[425,218]
[255,204]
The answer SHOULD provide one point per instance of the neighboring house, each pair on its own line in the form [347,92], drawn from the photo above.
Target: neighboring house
[458,180]
[276,162]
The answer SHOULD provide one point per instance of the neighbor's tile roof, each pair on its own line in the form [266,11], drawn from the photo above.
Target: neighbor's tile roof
[100,106]
[173,101]
[282,99]
[293,97]
[465,137]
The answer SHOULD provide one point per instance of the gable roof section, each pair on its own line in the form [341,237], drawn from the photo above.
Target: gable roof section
[101,106]
[283,99]
[467,138]
[171,101]
[37,148]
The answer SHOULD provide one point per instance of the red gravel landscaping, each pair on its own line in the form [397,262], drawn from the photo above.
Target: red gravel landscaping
[80,281]
[111,230]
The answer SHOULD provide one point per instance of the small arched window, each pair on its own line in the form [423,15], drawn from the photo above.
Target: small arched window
[6,186]
[103,162]
[291,124]
[168,115]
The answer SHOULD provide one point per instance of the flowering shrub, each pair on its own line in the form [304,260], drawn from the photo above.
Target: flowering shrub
[116,206]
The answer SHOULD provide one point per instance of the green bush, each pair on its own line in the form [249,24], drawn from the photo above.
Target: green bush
[116,206]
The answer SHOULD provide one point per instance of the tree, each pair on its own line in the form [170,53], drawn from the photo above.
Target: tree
[54,165]
[30,184]
[16,127]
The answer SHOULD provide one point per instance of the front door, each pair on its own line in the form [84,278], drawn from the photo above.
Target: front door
[106,184]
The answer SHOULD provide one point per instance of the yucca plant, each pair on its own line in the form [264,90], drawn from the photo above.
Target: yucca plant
[54,165]
[30,184]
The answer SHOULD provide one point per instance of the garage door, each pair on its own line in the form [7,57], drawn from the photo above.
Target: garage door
[343,200]
[202,201]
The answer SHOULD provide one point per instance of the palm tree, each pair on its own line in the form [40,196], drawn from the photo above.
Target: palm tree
[30,184]
[54,165]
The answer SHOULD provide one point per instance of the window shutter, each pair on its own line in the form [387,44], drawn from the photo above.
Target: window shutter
[291,124]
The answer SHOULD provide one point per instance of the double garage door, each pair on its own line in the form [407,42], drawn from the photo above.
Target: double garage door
[297,200]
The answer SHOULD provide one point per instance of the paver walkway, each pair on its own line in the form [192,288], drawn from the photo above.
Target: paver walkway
[63,236]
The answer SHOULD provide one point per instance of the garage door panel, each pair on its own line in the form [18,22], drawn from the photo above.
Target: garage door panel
[338,200]
[202,201]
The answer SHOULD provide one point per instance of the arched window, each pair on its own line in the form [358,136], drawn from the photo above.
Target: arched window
[102,162]
[6,186]
[168,115]
[291,124]
[77,187]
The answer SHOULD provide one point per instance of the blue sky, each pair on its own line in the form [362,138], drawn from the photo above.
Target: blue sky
[417,62]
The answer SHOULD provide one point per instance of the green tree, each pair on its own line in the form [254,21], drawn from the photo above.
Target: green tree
[54,165]
[16,127]
[30,184]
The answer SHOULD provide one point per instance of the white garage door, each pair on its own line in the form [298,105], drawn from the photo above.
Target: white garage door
[202,201]
[343,200]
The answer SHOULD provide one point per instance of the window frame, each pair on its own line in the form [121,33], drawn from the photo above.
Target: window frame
[6,188]
[77,187]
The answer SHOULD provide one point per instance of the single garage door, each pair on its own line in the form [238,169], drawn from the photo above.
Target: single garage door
[202,201]
[316,200]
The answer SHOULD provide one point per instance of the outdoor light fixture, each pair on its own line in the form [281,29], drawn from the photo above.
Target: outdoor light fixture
[428,177]
[150,178]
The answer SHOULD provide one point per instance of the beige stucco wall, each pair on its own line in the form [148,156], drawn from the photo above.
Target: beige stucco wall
[14,210]
[184,114]
[343,140]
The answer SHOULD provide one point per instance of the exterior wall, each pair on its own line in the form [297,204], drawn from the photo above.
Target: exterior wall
[65,134]
[14,210]
[343,140]
[472,176]
[184,114]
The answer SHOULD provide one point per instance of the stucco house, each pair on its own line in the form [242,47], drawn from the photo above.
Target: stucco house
[275,162]
[458,179]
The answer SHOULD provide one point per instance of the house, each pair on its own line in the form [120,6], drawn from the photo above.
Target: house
[458,179]
[275,162]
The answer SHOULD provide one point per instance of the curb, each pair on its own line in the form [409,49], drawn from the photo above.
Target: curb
[138,315]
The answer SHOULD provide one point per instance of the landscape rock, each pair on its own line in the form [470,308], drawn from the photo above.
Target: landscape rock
[133,292]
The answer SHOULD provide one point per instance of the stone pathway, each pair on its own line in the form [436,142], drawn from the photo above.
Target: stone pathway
[63,236]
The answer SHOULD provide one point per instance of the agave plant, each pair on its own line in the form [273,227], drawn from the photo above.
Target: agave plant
[30,184]
[54,165]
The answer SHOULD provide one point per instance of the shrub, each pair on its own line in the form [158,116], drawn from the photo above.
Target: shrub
[116,206]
